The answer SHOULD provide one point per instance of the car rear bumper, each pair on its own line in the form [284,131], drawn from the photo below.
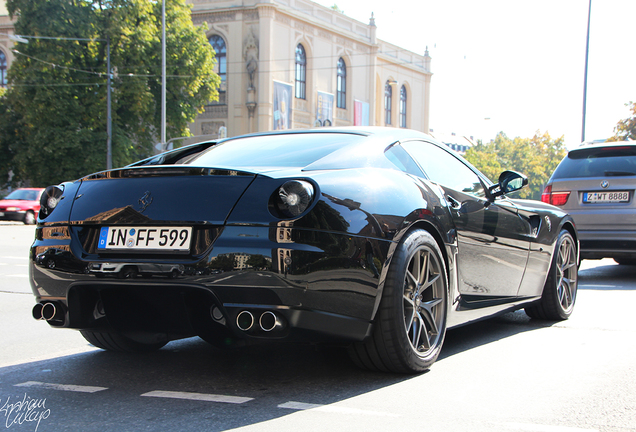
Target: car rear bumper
[12,216]
[320,284]
[607,244]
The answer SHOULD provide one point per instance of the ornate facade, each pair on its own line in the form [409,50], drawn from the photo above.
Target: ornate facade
[297,64]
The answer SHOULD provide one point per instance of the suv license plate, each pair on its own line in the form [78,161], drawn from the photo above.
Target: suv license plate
[605,197]
[145,238]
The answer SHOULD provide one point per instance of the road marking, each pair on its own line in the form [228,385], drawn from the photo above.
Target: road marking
[221,280]
[332,409]
[198,396]
[547,428]
[63,387]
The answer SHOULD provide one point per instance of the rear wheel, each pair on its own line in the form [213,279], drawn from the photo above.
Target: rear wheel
[411,323]
[114,341]
[559,292]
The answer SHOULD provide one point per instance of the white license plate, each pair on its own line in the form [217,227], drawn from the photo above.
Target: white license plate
[145,238]
[1,213]
[606,197]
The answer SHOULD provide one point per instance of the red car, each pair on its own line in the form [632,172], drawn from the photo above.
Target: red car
[21,205]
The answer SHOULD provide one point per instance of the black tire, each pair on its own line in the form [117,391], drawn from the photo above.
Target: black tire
[29,218]
[50,263]
[411,322]
[113,341]
[127,273]
[559,291]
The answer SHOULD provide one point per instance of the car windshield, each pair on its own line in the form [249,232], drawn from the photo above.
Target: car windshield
[598,162]
[286,150]
[23,194]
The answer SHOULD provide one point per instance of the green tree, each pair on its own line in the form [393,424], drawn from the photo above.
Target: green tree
[57,93]
[626,129]
[536,157]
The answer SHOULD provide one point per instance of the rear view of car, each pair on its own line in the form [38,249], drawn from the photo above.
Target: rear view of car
[596,184]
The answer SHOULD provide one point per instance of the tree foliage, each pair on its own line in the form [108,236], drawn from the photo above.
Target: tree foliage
[53,117]
[626,129]
[536,157]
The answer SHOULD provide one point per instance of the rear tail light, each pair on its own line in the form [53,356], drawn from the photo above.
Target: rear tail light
[293,198]
[49,200]
[554,198]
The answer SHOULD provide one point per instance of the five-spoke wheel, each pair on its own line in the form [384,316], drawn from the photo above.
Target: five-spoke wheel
[559,292]
[410,325]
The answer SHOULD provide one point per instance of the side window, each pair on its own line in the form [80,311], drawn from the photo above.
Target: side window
[444,168]
[401,159]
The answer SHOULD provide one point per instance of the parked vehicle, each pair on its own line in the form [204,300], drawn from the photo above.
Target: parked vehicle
[376,238]
[21,205]
[595,184]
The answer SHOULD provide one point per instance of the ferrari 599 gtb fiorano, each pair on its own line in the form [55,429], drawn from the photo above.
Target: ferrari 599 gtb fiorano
[376,238]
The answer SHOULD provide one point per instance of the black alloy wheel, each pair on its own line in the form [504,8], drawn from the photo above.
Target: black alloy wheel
[411,323]
[559,291]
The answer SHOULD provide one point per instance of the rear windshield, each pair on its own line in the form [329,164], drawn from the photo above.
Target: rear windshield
[293,150]
[598,162]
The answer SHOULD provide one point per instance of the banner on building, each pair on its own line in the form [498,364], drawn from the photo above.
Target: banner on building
[360,113]
[324,109]
[282,105]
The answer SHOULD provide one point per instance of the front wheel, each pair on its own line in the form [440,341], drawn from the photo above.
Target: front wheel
[29,218]
[411,323]
[114,341]
[559,292]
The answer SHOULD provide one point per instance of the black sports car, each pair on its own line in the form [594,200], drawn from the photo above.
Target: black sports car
[377,238]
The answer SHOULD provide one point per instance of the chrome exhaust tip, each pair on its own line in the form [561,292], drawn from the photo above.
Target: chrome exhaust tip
[245,320]
[49,311]
[269,321]
[37,312]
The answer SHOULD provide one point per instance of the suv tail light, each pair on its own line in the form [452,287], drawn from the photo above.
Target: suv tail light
[554,198]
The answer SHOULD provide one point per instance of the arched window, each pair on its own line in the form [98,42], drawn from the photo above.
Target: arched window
[342,84]
[3,69]
[301,72]
[388,100]
[218,44]
[403,107]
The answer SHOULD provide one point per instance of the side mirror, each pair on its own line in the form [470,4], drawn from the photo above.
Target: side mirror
[509,181]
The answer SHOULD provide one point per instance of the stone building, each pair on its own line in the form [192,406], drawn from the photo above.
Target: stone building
[297,64]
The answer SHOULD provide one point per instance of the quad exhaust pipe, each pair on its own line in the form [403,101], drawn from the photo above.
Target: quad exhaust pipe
[268,321]
[49,311]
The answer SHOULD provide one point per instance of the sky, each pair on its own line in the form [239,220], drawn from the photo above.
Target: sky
[516,66]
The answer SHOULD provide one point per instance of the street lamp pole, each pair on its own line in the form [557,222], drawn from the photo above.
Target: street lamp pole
[109,120]
[587,54]
[163,75]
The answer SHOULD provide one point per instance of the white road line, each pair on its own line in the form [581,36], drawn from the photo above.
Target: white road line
[221,280]
[333,409]
[63,387]
[198,396]
[546,428]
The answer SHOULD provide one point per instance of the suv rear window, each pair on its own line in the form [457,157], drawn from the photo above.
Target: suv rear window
[598,162]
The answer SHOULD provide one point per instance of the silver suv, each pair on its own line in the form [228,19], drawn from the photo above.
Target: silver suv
[596,184]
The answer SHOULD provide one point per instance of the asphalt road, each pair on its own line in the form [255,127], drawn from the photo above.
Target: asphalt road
[505,374]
